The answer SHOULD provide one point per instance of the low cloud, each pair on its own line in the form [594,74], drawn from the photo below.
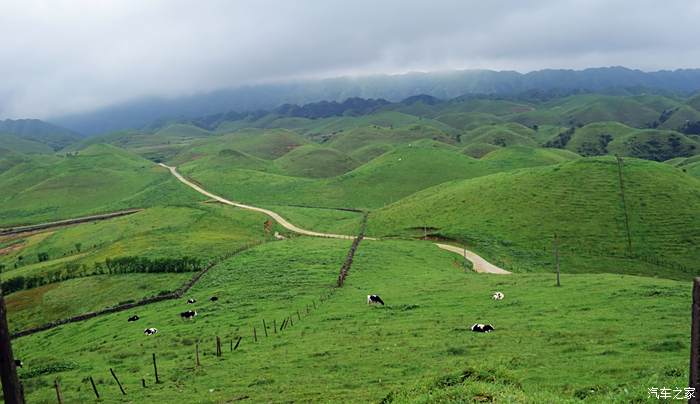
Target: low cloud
[61,57]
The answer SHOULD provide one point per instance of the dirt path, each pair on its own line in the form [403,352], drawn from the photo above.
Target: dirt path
[279,219]
[480,264]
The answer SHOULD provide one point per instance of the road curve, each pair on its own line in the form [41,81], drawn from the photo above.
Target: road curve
[279,219]
[480,264]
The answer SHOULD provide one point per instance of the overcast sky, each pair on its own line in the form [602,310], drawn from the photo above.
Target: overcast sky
[59,57]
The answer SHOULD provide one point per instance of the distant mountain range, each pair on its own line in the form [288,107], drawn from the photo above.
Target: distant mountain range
[35,135]
[442,85]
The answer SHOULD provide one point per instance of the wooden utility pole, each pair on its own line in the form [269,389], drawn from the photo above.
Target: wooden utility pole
[556,257]
[11,388]
[694,381]
[624,204]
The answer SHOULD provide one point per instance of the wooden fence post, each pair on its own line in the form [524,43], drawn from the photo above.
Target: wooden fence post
[291,321]
[237,342]
[94,388]
[155,368]
[556,256]
[265,327]
[694,381]
[255,335]
[218,346]
[118,383]
[231,346]
[274,325]
[11,387]
[143,383]
[59,396]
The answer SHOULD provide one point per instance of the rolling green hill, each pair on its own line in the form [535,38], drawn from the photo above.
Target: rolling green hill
[101,178]
[654,145]
[312,161]
[594,138]
[512,217]
[515,157]
[500,135]
[20,145]
[33,130]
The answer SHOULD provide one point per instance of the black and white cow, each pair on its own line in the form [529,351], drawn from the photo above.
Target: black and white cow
[497,296]
[213,298]
[18,363]
[133,318]
[188,314]
[191,301]
[150,331]
[482,328]
[374,299]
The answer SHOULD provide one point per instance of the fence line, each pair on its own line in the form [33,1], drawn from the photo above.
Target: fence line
[351,254]
[66,222]
[126,306]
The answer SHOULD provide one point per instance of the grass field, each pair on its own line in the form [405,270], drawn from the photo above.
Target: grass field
[204,231]
[512,217]
[551,344]
[99,179]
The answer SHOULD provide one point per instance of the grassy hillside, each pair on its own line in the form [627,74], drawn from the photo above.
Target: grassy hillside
[479,150]
[515,157]
[353,140]
[315,162]
[202,230]
[511,217]
[594,138]
[346,351]
[159,145]
[100,178]
[20,145]
[510,134]
[38,132]
[386,179]
[654,145]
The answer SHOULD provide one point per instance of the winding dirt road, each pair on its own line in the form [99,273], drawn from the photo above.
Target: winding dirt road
[480,264]
[279,219]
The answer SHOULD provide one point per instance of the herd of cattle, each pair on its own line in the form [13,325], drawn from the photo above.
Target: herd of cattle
[371,299]
[185,315]
[375,299]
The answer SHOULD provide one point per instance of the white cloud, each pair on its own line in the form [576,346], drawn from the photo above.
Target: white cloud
[65,56]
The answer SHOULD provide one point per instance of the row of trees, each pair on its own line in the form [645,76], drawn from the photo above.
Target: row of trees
[122,265]
[125,265]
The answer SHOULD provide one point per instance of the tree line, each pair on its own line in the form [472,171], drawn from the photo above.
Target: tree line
[121,265]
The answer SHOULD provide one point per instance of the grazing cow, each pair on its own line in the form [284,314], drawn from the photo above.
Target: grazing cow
[133,318]
[188,314]
[497,296]
[482,328]
[191,301]
[213,298]
[374,299]
[18,363]
[150,331]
